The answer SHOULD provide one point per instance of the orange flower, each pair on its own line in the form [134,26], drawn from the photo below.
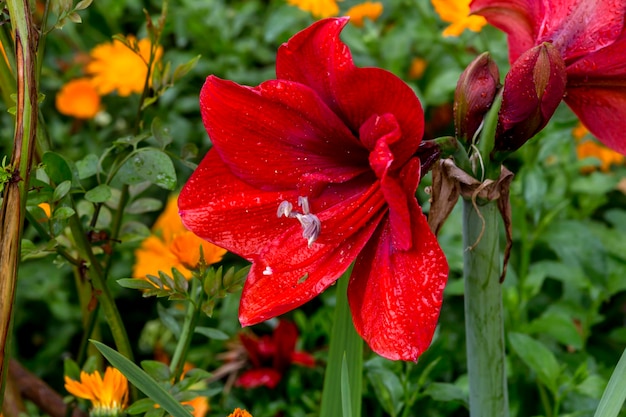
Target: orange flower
[108,395]
[457,13]
[418,66]
[591,149]
[172,245]
[240,413]
[318,8]
[369,9]
[78,98]
[200,406]
[115,66]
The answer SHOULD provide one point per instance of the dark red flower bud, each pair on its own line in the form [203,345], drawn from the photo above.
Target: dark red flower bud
[533,89]
[474,95]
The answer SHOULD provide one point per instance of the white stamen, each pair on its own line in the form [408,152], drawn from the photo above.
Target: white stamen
[268,270]
[311,224]
[284,209]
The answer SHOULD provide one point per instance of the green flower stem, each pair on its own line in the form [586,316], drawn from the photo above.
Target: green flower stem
[101,290]
[483,311]
[192,315]
[345,344]
[15,192]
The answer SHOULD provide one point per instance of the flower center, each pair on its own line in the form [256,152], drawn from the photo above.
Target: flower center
[311,224]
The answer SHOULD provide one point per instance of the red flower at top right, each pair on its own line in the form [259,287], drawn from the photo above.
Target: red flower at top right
[590,35]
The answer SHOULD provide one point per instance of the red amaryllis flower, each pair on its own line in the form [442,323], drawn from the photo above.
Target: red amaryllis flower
[271,356]
[590,35]
[314,171]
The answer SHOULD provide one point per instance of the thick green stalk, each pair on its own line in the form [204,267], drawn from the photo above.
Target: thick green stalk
[345,344]
[15,192]
[192,315]
[483,311]
[96,274]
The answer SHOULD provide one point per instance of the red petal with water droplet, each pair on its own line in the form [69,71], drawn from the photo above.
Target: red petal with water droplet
[520,19]
[287,272]
[271,135]
[214,199]
[316,57]
[395,296]
[603,111]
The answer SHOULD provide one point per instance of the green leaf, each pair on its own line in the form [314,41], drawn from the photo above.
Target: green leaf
[344,341]
[211,333]
[184,69]
[538,358]
[559,326]
[157,370]
[142,381]
[71,369]
[346,400]
[99,194]
[141,406]
[386,384]
[58,168]
[149,164]
[440,391]
[87,167]
[61,190]
[135,283]
[62,213]
[161,133]
[615,393]
[144,205]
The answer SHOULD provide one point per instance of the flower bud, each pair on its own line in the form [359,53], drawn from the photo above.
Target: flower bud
[533,89]
[474,95]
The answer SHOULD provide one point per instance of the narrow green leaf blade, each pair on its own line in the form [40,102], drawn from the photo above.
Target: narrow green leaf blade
[615,393]
[141,380]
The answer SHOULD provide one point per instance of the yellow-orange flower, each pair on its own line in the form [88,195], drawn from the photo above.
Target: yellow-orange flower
[200,406]
[369,9]
[318,8]
[108,395]
[171,245]
[116,67]
[417,68]
[240,413]
[78,98]
[456,12]
[593,149]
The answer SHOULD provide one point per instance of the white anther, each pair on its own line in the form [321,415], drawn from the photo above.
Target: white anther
[284,209]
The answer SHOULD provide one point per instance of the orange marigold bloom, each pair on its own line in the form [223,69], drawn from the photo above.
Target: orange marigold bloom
[240,413]
[417,68]
[369,9]
[457,13]
[172,245]
[592,149]
[200,406]
[318,8]
[108,395]
[116,67]
[78,98]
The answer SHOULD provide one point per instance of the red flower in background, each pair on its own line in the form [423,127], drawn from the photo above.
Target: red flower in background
[590,36]
[271,356]
[314,171]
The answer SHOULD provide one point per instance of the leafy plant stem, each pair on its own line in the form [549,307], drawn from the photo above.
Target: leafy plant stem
[192,316]
[101,290]
[545,401]
[15,193]
[483,310]
[344,341]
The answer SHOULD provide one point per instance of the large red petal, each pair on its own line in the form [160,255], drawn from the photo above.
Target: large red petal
[520,19]
[285,337]
[395,296]
[602,109]
[261,377]
[608,62]
[272,135]
[318,58]
[580,27]
[289,272]
[214,200]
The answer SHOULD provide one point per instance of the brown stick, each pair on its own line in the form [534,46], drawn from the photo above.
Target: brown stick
[40,393]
